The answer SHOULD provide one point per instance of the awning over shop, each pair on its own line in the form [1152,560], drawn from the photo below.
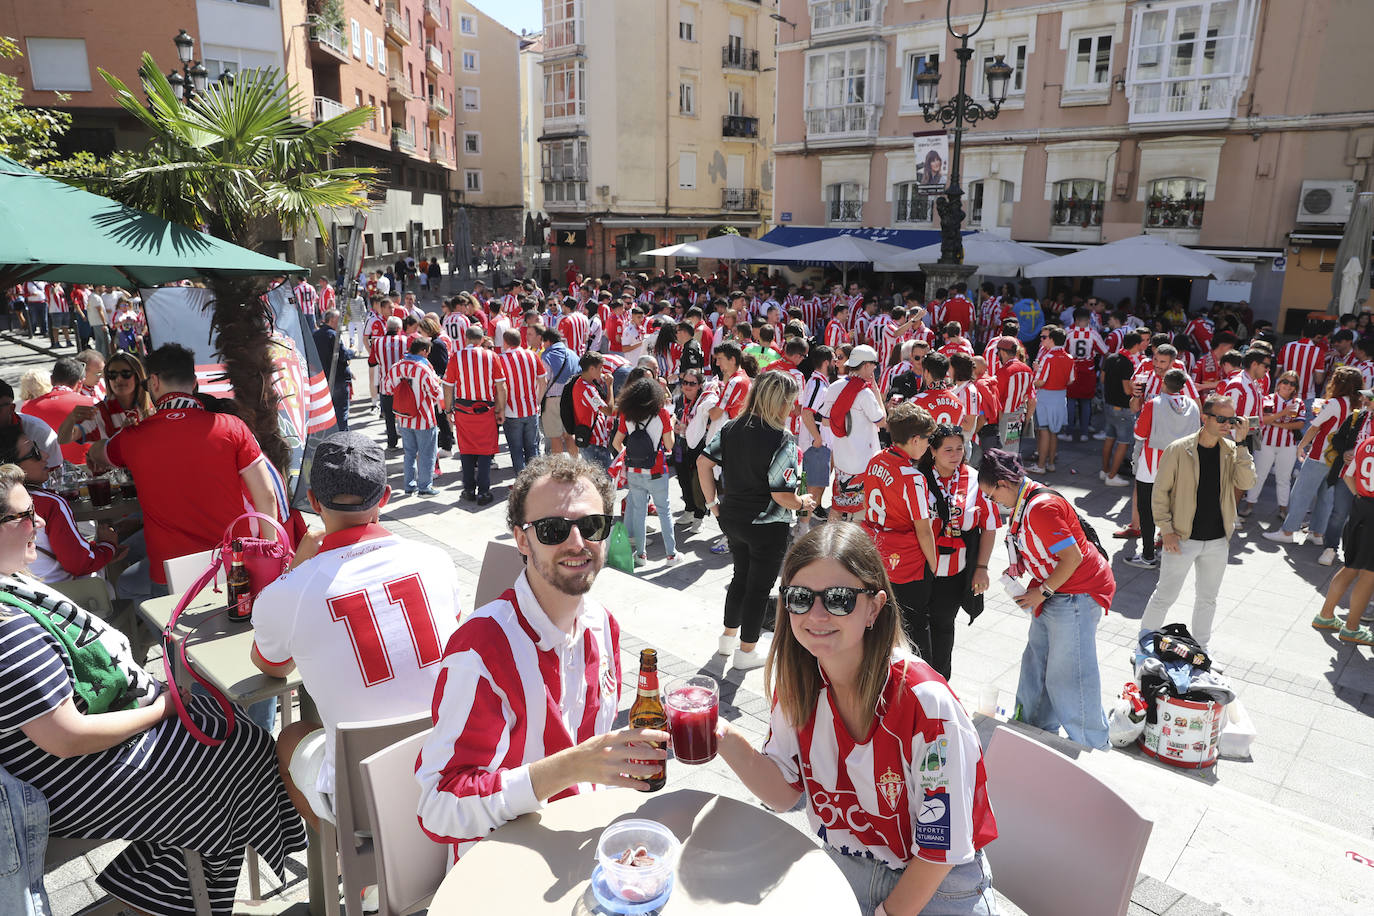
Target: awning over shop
[792,236]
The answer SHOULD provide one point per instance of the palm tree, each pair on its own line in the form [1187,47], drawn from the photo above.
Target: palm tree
[236,163]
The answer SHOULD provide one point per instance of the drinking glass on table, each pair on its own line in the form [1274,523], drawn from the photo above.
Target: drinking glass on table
[693,705]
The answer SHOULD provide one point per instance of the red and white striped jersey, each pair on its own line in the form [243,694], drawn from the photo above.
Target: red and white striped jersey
[1360,469]
[473,372]
[990,316]
[591,410]
[1200,329]
[1148,465]
[859,327]
[1305,358]
[941,404]
[877,332]
[1085,344]
[306,297]
[510,306]
[109,419]
[327,297]
[513,689]
[1331,415]
[968,509]
[416,372]
[1154,383]
[894,498]
[1334,361]
[734,394]
[1113,339]
[56,298]
[1015,380]
[1246,394]
[523,371]
[957,345]
[1043,525]
[1366,369]
[892,335]
[1277,436]
[814,313]
[966,393]
[374,325]
[455,325]
[576,328]
[835,334]
[385,352]
[891,373]
[916,788]
[35,291]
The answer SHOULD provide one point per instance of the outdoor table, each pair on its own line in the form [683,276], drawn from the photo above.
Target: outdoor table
[736,858]
[119,508]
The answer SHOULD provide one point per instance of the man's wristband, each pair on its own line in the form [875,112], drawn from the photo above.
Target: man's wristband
[981,566]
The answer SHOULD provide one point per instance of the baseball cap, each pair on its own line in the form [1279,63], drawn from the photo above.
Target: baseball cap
[1008,343]
[860,355]
[348,464]
[1367,393]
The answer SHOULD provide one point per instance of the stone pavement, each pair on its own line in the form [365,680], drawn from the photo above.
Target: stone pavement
[1276,833]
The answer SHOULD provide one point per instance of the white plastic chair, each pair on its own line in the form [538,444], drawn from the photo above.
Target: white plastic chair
[501,565]
[182,572]
[1067,845]
[410,866]
[354,741]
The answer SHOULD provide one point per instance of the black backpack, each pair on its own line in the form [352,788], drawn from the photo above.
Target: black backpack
[641,451]
[1089,531]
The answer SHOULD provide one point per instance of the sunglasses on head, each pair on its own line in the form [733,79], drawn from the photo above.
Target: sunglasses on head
[30,513]
[839,600]
[555,529]
[112,374]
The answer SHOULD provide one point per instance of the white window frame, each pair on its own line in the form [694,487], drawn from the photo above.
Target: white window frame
[1165,95]
[905,198]
[834,15]
[571,100]
[687,170]
[476,62]
[357,30]
[835,105]
[476,96]
[687,22]
[835,196]
[1016,52]
[734,101]
[472,181]
[1183,184]
[911,61]
[369,49]
[477,147]
[561,28]
[1096,193]
[467,25]
[1095,37]
[381,54]
[687,98]
[50,68]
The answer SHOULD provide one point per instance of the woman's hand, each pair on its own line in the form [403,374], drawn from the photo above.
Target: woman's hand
[808,502]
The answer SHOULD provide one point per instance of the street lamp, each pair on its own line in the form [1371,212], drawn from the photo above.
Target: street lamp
[194,77]
[961,112]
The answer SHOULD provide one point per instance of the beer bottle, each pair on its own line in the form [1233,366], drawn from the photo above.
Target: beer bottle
[647,712]
[801,492]
[238,585]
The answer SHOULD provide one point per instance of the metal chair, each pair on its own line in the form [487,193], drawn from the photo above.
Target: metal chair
[410,866]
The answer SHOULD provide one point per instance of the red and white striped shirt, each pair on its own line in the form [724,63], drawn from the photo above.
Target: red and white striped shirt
[514,689]
[1327,420]
[957,345]
[429,394]
[835,334]
[1200,329]
[576,328]
[455,325]
[109,419]
[1154,382]
[523,371]
[56,298]
[813,313]
[968,509]
[327,297]
[892,334]
[590,410]
[1084,344]
[1305,358]
[510,306]
[891,373]
[966,393]
[1016,383]
[1360,469]
[877,332]
[915,788]
[385,352]
[1042,526]
[306,297]
[735,393]
[1247,395]
[374,326]
[1277,436]
[473,372]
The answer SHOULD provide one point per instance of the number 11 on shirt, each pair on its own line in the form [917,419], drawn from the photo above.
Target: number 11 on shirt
[356,611]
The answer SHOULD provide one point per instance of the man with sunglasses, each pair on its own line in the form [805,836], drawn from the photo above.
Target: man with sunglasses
[530,683]
[1194,503]
[43,435]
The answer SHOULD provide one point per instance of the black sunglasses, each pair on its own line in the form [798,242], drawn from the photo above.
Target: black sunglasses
[1227,421]
[33,455]
[112,374]
[839,600]
[555,529]
[30,513]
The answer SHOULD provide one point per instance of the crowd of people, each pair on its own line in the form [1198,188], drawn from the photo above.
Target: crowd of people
[859,451]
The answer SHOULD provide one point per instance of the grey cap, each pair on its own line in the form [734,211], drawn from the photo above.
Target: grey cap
[348,464]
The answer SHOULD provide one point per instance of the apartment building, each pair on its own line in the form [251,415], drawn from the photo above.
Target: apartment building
[656,128]
[486,89]
[1239,127]
[386,54]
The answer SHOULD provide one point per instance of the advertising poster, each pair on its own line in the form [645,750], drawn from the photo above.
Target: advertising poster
[932,162]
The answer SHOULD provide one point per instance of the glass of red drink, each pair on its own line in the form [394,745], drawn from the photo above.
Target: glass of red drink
[99,488]
[693,705]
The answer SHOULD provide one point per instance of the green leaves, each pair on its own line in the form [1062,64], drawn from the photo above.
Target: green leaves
[27,135]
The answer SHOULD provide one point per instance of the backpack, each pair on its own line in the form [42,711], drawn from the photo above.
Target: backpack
[1089,531]
[403,402]
[641,451]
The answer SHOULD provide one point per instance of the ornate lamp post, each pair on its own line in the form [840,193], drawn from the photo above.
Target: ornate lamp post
[960,112]
[194,77]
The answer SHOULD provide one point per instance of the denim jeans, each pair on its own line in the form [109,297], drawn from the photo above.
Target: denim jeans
[1060,684]
[418,463]
[1341,501]
[1310,492]
[965,891]
[597,454]
[340,399]
[1080,416]
[642,487]
[476,473]
[1207,560]
[522,438]
[23,843]
[101,334]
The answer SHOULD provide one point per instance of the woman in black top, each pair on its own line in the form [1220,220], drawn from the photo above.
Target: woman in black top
[760,470]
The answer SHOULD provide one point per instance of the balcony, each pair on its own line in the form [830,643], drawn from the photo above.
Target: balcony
[858,120]
[398,88]
[327,108]
[397,27]
[434,60]
[845,211]
[434,15]
[438,109]
[327,45]
[733,57]
[739,126]
[739,198]
[402,141]
[571,171]
[439,157]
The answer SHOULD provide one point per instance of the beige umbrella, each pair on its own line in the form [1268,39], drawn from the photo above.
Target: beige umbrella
[1350,281]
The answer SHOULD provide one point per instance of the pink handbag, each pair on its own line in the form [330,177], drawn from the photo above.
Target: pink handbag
[265,561]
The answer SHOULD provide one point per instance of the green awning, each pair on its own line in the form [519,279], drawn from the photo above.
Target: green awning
[53,231]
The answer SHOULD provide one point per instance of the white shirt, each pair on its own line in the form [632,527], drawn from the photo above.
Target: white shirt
[383,286]
[851,453]
[813,395]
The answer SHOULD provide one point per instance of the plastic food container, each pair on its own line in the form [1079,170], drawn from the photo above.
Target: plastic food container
[636,884]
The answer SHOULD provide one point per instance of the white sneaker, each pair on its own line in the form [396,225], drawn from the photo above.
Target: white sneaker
[1116,480]
[1100,435]
[1065,437]
[728,644]
[672,558]
[747,661]
[1328,557]
[1102,476]
[696,524]
[1279,535]
[1035,469]
[641,560]
[1316,540]
[444,453]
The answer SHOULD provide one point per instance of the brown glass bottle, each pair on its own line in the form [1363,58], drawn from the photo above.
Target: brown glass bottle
[648,712]
[238,586]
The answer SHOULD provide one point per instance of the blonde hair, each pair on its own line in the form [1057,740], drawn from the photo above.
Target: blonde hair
[11,478]
[792,676]
[771,396]
[34,383]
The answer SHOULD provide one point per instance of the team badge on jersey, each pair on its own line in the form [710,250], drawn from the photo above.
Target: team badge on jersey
[933,821]
[890,787]
[892,560]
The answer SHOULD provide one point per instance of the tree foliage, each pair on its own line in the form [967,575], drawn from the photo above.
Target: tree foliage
[27,135]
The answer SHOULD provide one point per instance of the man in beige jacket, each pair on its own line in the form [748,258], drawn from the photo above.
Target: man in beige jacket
[1194,502]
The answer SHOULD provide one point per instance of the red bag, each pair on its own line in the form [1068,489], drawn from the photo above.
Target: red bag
[265,561]
[475,427]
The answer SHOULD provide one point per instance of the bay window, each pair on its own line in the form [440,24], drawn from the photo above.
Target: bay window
[562,23]
[1078,202]
[564,95]
[1189,59]
[1175,203]
[841,14]
[844,90]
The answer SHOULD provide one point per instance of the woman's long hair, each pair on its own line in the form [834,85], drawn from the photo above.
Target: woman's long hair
[640,400]
[792,675]
[771,397]
[11,478]
[941,432]
[1346,382]
[142,402]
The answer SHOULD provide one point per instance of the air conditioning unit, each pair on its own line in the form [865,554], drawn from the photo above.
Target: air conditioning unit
[1325,202]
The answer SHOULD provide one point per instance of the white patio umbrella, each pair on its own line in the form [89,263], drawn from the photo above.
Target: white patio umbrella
[994,255]
[1140,256]
[840,250]
[730,248]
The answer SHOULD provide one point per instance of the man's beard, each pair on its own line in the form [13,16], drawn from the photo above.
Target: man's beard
[565,580]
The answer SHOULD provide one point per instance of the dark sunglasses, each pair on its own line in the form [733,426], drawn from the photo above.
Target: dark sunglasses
[112,374]
[689,383]
[554,530]
[1227,421]
[30,513]
[839,600]
[33,455]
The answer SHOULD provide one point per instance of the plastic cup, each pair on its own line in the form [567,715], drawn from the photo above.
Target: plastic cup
[101,494]
[693,705]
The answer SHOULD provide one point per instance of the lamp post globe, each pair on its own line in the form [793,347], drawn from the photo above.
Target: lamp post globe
[185,46]
[928,88]
[999,80]
[199,76]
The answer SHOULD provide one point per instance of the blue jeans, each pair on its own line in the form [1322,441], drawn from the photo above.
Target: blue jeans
[420,446]
[23,843]
[1310,492]
[1080,416]
[1060,684]
[597,454]
[522,438]
[965,891]
[476,473]
[1341,501]
[340,399]
[642,487]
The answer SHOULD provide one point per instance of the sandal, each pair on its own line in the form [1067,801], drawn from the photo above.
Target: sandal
[1361,636]
[1130,531]
[1326,623]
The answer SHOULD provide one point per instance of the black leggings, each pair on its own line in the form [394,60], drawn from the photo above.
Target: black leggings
[757,551]
[1146,511]
[692,498]
[930,607]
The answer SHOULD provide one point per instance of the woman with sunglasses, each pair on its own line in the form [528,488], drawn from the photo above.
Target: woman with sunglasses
[99,738]
[760,470]
[886,758]
[645,431]
[691,409]
[126,404]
